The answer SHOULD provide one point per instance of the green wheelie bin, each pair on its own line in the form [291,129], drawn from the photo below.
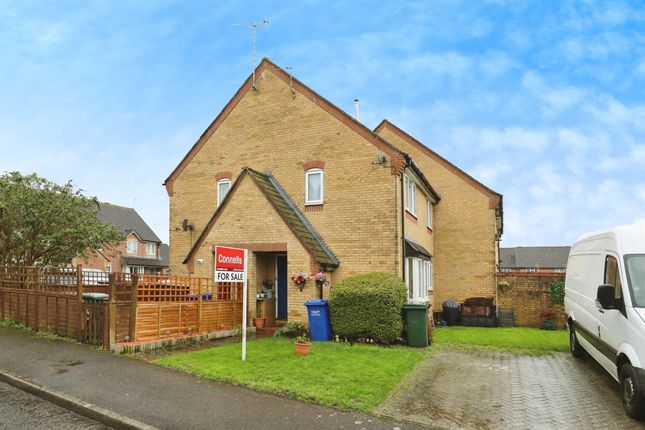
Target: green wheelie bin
[416,324]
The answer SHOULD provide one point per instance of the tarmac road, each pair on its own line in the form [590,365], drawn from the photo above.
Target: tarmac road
[20,410]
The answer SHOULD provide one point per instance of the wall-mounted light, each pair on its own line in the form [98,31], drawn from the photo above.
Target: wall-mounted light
[200,261]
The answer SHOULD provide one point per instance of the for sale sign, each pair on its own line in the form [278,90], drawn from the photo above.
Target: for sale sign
[230,264]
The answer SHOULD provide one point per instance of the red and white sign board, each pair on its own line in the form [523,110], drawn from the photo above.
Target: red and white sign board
[230,264]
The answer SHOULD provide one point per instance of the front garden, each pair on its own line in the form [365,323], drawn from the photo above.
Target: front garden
[333,374]
[361,372]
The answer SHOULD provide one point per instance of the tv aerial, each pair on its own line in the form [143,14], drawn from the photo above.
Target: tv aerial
[254,29]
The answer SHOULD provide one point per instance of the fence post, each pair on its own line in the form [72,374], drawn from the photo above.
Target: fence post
[112,316]
[199,305]
[133,308]
[37,300]
[79,301]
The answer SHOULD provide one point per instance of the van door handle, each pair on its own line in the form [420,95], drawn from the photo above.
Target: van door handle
[602,311]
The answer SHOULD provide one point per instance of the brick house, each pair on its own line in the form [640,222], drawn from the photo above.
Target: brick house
[534,259]
[140,251]
[305,187]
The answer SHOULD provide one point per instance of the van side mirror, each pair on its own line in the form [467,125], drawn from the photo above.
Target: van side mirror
[605,297]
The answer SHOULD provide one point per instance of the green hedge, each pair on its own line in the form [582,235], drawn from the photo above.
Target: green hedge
[368,306]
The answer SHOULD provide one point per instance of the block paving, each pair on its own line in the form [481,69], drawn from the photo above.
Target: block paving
[482,389]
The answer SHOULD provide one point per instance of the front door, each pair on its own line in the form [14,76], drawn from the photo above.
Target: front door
[281,262]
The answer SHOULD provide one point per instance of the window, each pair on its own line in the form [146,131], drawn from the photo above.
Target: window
[429,206]
[612,275]
[138,270]
[314,187]
[222,189]
[108,268]
[133,246]
[410,195]
[418,278]
[151,249]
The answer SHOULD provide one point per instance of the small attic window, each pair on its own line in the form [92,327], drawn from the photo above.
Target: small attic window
[314,187]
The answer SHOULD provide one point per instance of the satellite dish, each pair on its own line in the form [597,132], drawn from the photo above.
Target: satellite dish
[185,225]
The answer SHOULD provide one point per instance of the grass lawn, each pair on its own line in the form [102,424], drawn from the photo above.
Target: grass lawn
[519,339]
[333,374]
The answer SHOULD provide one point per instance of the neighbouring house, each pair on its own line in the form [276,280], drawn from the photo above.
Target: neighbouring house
[141,251]
[307,188]
[534,259]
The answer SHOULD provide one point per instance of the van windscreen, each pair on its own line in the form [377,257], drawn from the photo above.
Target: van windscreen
[635,265]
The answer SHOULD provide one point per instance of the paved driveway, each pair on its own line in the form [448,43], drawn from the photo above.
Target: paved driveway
[483,389]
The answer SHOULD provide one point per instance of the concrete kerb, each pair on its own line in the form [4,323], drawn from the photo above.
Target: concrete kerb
[78,406]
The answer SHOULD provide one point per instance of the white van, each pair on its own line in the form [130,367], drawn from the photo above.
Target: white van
[605,306]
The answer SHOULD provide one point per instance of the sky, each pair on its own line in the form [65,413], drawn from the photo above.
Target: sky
[542,101]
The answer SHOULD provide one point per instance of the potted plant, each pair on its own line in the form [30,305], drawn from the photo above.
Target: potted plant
[259,320]
[548,318]
[504,286]
[299,278]
[319,278]
[302,345]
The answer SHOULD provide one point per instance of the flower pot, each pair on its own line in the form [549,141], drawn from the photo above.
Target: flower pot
[259,322]
[548,324]
[302,348]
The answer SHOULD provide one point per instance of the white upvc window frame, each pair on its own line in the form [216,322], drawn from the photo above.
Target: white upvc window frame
[418,278]
[132,246]
[429,207]
[151,247]
[309,173]
[410,195]
[221,195]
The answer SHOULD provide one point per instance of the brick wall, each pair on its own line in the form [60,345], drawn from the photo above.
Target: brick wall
[528,293]
[274,130]
[464,232]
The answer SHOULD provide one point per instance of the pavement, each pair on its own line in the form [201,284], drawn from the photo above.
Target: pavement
[485,389]
[23,411]
[140,392]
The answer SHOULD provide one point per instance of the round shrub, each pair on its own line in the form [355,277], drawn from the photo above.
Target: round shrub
[368,306]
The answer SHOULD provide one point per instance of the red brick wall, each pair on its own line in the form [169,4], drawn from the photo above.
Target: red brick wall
[528,293]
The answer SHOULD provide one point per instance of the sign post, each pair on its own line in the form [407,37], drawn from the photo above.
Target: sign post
[231,265]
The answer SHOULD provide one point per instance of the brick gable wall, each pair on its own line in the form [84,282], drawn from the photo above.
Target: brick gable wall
[273,130]
[464,231]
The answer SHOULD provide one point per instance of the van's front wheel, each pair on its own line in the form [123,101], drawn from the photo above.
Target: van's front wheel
[633,400]
[574,346]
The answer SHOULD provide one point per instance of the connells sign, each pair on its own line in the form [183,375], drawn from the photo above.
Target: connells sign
[230,264]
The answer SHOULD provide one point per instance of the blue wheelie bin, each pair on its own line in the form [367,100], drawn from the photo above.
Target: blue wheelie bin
[319,324]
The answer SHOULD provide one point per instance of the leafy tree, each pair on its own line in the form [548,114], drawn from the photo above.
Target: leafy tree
[43,223]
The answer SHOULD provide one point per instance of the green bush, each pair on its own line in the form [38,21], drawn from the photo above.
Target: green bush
[556,290]
[368,306]
[292,329]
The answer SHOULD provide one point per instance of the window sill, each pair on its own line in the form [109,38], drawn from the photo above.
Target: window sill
[313,207]
[411,217]
[430,229]
[411,213]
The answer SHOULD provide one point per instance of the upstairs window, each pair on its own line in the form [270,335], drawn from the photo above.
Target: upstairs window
[429,206]
[410,195]
[133,246]
[314,187]
[222,189]
[151,249]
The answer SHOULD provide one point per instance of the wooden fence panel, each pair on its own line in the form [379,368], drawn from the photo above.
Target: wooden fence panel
[140,308]
[94,323]
[123,333]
